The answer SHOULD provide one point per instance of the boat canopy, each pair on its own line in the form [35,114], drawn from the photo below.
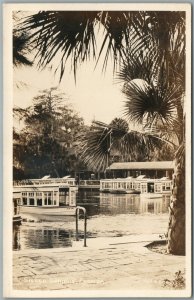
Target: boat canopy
[164,178]
[141,177]
[45,177]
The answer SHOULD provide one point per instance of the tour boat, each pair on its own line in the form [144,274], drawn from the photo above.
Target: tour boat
[42,198]
[141,184]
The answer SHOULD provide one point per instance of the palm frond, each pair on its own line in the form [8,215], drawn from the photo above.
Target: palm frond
[97,144]
[142,65]
[20,50]
[72,34]
[150,102]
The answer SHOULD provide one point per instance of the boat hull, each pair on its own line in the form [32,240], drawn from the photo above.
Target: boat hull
[151,195]
[133,192]
[104,191]
[49,211]
[123,191]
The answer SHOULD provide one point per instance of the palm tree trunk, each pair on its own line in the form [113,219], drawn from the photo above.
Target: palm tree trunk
[176,226]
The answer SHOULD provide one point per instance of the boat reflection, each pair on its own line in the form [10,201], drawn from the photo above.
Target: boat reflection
[122,204]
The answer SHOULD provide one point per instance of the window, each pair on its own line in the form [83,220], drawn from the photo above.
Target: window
[48,198]
[39,198]
[31,194]
[168,186]
[31,200]
[39,202]
[157,187]
[24,200]
[55,198]
[62,193]
[143,188]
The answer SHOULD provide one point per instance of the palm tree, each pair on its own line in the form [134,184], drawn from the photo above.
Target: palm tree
[157,41]
[155,91]
[98,144]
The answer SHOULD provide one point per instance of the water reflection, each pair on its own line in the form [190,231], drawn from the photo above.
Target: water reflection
[112,204]
[33,238]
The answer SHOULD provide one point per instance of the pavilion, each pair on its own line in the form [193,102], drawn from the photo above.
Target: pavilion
[151,169]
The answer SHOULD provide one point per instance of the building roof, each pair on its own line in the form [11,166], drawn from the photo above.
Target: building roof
[146,165]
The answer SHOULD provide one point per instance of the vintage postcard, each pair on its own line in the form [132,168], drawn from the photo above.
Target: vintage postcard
[97,150]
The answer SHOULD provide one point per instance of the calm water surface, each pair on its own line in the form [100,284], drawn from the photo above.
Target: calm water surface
[96,204]
[111,204]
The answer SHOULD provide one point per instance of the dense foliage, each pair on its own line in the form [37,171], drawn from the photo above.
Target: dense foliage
[46,143]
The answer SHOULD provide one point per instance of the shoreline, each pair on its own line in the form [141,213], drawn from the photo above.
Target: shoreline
[117,259]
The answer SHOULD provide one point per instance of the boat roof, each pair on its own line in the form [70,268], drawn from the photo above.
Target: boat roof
[140,177]
[164,178]
[39,186]
[45,177]
[145,165]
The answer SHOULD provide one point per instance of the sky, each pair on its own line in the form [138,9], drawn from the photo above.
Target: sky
[95,95]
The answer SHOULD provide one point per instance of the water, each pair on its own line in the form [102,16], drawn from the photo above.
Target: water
[41,236]
[112,204]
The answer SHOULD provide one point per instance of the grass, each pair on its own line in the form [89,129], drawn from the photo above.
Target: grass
[178,282]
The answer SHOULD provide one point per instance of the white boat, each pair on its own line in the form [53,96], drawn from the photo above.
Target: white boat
[140,184]
[46,198]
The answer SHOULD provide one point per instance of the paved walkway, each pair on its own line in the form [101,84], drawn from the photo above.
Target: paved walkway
[112,263]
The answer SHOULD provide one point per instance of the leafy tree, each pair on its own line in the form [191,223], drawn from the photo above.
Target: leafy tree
[46,144]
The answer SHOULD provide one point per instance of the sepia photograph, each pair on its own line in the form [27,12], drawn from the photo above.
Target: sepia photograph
[97,150]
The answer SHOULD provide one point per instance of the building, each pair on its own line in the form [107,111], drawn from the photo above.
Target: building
[151,169]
